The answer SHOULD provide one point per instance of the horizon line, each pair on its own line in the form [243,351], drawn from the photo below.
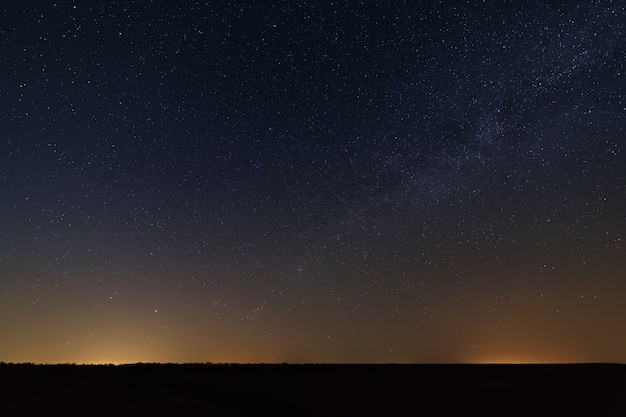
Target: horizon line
[306,363]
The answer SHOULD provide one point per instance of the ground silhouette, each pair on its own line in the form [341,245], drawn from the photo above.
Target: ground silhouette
[313,390]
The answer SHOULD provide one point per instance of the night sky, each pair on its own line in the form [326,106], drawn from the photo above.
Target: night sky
[312,181]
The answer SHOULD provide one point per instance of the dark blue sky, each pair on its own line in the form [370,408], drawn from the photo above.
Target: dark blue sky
[291,181]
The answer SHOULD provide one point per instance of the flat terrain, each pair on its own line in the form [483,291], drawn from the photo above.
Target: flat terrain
[313,390]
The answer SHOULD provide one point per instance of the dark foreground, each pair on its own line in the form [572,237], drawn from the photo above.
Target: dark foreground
[313,390]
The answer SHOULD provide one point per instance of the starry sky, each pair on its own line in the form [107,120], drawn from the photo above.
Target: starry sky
[296,181]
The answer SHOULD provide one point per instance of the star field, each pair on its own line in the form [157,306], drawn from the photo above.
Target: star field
[291,181]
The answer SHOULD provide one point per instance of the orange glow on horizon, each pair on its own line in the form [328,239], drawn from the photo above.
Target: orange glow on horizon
[521,359]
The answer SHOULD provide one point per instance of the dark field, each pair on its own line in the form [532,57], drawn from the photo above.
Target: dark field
[308,390]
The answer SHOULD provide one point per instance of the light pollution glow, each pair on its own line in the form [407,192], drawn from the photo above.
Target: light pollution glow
[159,337]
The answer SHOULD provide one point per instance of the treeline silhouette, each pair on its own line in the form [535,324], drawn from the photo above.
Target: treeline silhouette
[312,389]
